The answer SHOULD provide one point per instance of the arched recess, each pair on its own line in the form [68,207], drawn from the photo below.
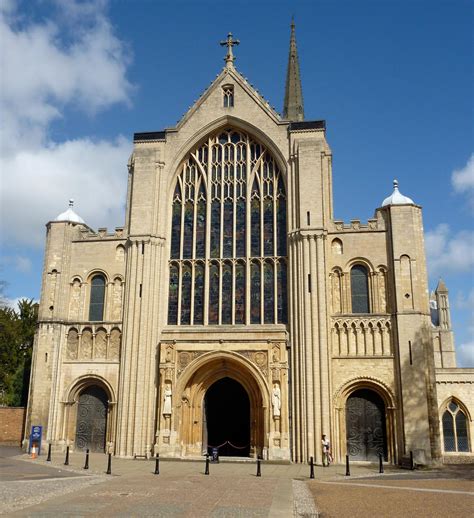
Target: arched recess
[71,401]
[388,399]
[191,389]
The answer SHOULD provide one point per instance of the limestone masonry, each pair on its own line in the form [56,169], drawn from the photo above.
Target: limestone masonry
[232,311]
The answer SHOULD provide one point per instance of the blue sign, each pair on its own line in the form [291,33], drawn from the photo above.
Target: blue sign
[35,438]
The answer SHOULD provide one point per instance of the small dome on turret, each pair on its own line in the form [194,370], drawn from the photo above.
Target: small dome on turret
[397,198]
[70,215]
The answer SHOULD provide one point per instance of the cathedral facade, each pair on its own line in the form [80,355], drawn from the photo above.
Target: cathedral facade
[233,311]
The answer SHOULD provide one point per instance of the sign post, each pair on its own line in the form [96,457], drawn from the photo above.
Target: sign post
[35,439]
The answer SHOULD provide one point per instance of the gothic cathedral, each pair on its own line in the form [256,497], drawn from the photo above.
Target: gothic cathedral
[233,311]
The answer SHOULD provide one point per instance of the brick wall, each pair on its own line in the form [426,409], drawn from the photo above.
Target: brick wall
[11,424]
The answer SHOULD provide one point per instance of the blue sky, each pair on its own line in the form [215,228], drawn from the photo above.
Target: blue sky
[392,78]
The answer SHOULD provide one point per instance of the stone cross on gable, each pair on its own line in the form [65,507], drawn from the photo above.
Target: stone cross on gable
[229,43]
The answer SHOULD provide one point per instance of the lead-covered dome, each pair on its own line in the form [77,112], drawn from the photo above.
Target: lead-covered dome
[70,215]
[397,198]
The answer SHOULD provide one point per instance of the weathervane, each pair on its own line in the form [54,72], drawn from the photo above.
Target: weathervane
[229,43]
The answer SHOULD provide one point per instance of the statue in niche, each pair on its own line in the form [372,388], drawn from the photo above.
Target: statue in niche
[86,345]
[114,344]
[276,353]
[167,393]
[276,400]
[100,344]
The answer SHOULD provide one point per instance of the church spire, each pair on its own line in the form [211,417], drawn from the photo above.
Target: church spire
[293,107]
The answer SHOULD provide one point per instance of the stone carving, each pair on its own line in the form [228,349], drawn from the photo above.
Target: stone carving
[276,353]
[167,393]
[72,344]
[86,345]
[260,359]
[100,349]
[114,345]
[276,400]
[362,337]
[276,374]
[75,301]
[169,354]
[117,299]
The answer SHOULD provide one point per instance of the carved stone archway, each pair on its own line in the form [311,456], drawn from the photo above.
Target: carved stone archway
[181,433]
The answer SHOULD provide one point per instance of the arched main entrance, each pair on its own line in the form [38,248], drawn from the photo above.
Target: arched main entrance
[91,425]
[227,418]
[365,425]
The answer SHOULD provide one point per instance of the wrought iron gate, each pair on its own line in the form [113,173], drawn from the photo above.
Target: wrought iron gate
[365,426]
[91,419]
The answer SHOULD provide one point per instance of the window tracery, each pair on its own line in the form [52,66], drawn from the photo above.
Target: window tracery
[228,235]
[455,431]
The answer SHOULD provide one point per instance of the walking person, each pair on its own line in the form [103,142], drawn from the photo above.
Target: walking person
[326,451]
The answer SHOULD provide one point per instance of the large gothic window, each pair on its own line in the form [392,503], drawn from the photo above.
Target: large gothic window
[228,236]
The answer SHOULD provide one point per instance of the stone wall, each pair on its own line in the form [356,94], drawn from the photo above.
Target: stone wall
[11,424]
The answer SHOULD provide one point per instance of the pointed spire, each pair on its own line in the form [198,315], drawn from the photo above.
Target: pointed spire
[293,106]
[441,288]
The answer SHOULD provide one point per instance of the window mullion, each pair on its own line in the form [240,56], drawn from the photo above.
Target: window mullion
[180,283]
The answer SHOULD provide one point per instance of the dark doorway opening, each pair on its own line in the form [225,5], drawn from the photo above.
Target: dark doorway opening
[365,425]
[91,423]
[227,418]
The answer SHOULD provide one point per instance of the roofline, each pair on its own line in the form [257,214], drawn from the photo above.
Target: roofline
[149,136]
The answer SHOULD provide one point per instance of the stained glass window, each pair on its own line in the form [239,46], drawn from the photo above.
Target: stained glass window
[268,288]
[220,229]
[359,289]
[173,294]
[255,294]
[198,294]
[176,223]
[227,293]
[96,304]
[214,293]
[186,295]
[240,293]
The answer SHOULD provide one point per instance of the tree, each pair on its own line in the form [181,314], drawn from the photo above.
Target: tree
[17,329]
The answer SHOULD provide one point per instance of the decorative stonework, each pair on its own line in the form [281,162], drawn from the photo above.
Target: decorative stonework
[361,337]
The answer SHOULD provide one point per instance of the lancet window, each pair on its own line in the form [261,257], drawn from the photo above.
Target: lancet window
[228,237]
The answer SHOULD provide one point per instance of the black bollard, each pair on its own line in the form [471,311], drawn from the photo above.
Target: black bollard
[66,461]
[157,464]
[86,465]
[381,463]
[348,471]
[109,465]
[48,459]
[311,467]
[412,462]
[259,469]
[207,464]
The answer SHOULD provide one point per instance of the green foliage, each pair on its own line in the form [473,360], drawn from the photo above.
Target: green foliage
[17,329]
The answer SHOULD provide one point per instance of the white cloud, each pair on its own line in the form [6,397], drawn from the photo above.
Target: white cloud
[93,173]
[449,252]
[463,179]
[465,354]
[73,60]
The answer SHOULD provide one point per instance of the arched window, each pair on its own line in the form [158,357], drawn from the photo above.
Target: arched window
[96,304]
[228,235]
[360,289]
[455,429]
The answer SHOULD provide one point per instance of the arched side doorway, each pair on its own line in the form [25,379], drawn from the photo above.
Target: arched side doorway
[227,418]
[366,426]
[91,423]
